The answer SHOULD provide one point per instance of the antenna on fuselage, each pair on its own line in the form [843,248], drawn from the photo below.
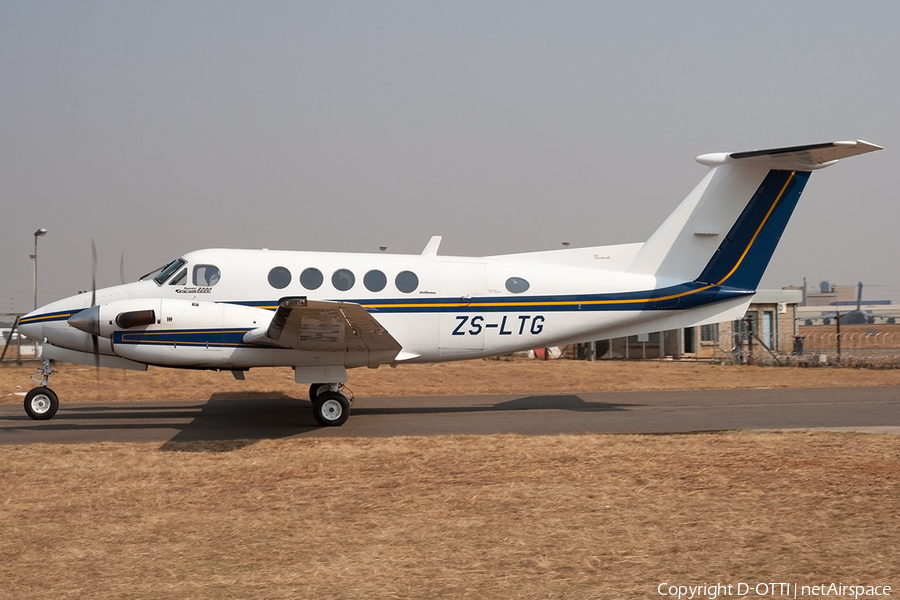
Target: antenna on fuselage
[431,249]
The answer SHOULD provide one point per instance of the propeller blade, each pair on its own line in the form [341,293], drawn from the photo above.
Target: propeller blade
[93,273]
[122,269]
[94,341]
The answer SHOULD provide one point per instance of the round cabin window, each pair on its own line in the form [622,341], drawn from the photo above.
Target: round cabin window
[375,280]
[279,278]
[406,281]
[311,278]
[343,280]
[517,285]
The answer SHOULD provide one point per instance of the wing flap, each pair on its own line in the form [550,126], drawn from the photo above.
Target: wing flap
[319,325]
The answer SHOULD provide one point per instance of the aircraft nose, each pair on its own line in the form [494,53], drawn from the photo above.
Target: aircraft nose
[87,320]
[33,330]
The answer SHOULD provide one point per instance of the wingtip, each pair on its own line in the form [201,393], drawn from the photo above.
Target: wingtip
[871,147]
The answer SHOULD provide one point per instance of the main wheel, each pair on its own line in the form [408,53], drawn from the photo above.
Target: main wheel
[41,403]
[316,389]
[331,409]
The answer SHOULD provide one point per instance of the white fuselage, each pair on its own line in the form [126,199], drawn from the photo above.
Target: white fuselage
[437,307]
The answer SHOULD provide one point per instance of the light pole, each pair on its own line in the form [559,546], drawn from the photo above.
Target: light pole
[40,232]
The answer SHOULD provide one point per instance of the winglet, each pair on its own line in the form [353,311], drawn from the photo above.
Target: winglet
[431,249]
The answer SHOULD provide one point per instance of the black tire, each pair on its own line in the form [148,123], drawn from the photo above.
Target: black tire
[41,403]
[331,409]
[314,391]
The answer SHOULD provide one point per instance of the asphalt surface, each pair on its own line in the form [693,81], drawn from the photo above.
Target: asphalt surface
[230,417]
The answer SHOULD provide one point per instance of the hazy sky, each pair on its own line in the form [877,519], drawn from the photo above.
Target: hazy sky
[159,127]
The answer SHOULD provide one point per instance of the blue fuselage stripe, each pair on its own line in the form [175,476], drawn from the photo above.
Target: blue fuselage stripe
[206,338]
[677,297]
[744,254]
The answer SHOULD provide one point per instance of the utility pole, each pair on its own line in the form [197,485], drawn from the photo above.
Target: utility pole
[39,233]
[750,334]
[837,321]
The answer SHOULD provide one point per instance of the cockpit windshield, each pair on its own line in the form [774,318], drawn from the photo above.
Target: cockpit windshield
[168,270]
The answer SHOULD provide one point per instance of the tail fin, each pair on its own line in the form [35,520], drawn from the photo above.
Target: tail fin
[729,225]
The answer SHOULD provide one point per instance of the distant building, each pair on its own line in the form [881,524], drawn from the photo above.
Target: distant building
[829,294]
[771,316]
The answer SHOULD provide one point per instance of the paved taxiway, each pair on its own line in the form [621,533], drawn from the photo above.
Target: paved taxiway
[230,417]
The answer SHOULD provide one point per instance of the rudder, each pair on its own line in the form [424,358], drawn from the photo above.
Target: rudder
[742,257]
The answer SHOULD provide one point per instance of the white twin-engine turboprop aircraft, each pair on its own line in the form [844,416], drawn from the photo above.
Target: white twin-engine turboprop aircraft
[322,313]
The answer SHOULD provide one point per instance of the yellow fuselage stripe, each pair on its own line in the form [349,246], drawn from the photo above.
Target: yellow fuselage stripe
[550,303]
[758,229]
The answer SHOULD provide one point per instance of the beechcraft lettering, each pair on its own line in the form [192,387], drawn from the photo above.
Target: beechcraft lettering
[322,313]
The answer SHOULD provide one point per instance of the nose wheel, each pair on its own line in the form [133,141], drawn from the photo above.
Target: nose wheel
[41,403]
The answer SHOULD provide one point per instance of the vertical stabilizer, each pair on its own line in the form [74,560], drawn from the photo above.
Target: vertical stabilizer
[725,231]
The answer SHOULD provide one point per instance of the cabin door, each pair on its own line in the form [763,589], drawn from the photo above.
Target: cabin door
[460,328]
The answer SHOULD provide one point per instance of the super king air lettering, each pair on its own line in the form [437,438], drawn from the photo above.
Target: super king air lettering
[478,324]
[321,313]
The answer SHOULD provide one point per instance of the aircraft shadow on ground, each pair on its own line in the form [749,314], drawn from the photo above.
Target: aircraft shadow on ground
[568,402]
[225,422]
[232,420]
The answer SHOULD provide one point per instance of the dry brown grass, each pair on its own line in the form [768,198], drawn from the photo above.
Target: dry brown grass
[450,517]
[521,376]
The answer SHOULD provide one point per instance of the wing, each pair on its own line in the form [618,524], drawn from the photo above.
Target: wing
[322,326]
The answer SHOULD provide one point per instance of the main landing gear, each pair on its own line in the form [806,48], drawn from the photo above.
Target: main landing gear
[331,406]
[41,403]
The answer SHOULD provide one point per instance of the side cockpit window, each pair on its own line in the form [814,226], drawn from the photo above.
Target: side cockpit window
[179,279]
[206,275]
[169,270]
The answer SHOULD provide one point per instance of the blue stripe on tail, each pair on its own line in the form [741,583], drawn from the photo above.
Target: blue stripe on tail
[744,254]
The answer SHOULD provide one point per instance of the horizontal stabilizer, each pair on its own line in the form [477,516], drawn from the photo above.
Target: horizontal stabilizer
[800,158]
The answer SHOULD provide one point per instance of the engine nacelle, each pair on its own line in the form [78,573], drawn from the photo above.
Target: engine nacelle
[179,333]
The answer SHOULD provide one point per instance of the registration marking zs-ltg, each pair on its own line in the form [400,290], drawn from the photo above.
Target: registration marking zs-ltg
[519,325]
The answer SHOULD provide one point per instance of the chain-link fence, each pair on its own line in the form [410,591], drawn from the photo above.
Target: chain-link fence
[856,345]
[748,341]
[13,346]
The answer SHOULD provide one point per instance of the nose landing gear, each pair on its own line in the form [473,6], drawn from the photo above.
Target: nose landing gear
[41,403]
